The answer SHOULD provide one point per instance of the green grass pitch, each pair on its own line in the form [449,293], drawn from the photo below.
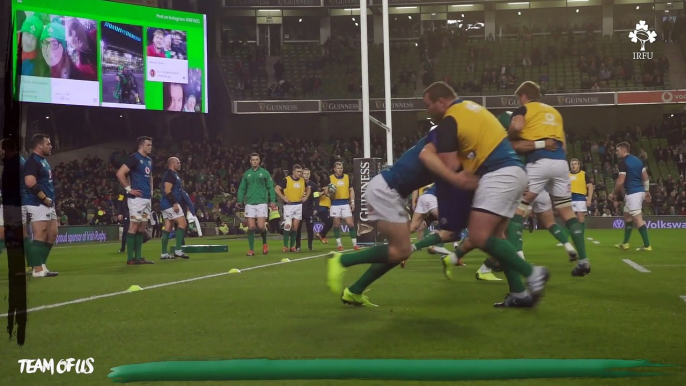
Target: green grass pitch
[285,311]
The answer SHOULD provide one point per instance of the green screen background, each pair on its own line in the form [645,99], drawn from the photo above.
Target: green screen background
[102,11]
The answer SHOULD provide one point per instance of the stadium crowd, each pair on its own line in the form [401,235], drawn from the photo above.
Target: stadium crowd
[212,172]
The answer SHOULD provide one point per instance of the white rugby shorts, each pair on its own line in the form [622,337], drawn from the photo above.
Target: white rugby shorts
[579,206]
[41,213]
[551,175]
[293,212]
[426,203]
[634,203]
[501,191]
[341,211]
[169,214]
[139,209]
[384,203]
[256,211]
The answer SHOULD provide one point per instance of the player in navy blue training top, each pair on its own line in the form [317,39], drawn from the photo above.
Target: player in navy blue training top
[138,186]
[172,198]
[40,204]
[633,180]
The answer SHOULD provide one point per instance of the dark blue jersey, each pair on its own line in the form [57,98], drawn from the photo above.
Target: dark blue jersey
[140,174]
[39,168]
[173,178]
[409,173]
[632,168]
[22,183]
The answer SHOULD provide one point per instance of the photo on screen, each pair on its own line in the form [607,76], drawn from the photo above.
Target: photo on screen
[57,46]
[185,97]
[166,43]
[123,78]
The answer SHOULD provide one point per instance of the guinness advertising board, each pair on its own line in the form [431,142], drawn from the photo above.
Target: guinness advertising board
[555,100]
[275,107]
[364,170]
[272,3]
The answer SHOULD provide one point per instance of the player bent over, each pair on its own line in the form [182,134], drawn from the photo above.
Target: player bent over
[138,169]
[40,205]
[634,181]
[173,194]
[293,191]
[385,196]
[342,204]
[256,191]
[469,136]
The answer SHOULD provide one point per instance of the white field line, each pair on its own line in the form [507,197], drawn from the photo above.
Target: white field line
[635,266]
[96,297]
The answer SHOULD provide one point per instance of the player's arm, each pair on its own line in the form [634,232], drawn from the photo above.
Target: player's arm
[32,170]
[590,188]
[523,146]
[308,191]
[168,186]
[124,171]
[415,196]
[517,123]
[279,191]
[619,184]
[271,189]
[646,183]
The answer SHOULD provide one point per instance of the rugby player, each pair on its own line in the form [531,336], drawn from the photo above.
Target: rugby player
[582,191]
[342,204]
[470,137]
[170,203]
[257,188]
[293,191]
[308,211]
[634,182]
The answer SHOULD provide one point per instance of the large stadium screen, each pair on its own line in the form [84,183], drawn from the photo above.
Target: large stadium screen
[102,53]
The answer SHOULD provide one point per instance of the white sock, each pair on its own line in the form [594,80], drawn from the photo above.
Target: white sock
[453,258]
[354,242]
[338,242]
[568,246]
[455,244]
[45,268]
[521,254]
[484,269]
[519,295]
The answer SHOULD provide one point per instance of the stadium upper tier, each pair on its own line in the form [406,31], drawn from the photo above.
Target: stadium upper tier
[559,63]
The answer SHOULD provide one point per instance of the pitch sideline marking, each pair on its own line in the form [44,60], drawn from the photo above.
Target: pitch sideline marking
[96,297]
[636,266]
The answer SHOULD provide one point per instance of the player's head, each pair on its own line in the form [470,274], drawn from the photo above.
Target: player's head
[306,174]
[40,144]
[254,160]
[623,149]
[438,97]
[174,164]
[8,147]
[338,168]
[144,145]
[297,171]
[575,165]
[527,92]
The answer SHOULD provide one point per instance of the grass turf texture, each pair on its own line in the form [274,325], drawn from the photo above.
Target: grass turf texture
[286,312]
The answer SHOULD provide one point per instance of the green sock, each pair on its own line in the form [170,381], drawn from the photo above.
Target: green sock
[139,245]
[373,255]
[490,264]
[427,232]
[286,238]
[251,240]
[264,236]
[370,276]
[180,234]
[459,252]
[432,239]
[130,246]
[27,251]
[337,233]
[558,233]
[353,233]
[514,231]
[576,232]
[506,254]
[165,242]
[36,258]
[628,227]
[644,235]
[514,280]
[583,224]
[46,253]
[294,235]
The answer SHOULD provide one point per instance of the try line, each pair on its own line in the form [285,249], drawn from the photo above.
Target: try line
[96,297]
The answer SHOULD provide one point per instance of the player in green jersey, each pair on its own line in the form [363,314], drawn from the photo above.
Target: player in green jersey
[256,191]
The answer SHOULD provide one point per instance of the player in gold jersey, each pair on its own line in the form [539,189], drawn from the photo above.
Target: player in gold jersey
[342,204]
[470,138]
[582,190]
[293,191]
[546,169]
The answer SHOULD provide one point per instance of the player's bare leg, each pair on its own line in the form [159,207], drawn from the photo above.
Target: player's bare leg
[261,226]
[515,227]
[49,242]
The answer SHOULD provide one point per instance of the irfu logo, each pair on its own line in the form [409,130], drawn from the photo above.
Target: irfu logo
[643,35]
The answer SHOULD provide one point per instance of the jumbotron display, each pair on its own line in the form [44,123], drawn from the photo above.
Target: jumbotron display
[102,53]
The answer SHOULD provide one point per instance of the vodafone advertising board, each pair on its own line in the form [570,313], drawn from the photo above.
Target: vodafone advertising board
[651,97]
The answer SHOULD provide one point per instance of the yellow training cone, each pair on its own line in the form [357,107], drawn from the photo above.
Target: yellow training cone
[285,260]
[134,288]
[235,270]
